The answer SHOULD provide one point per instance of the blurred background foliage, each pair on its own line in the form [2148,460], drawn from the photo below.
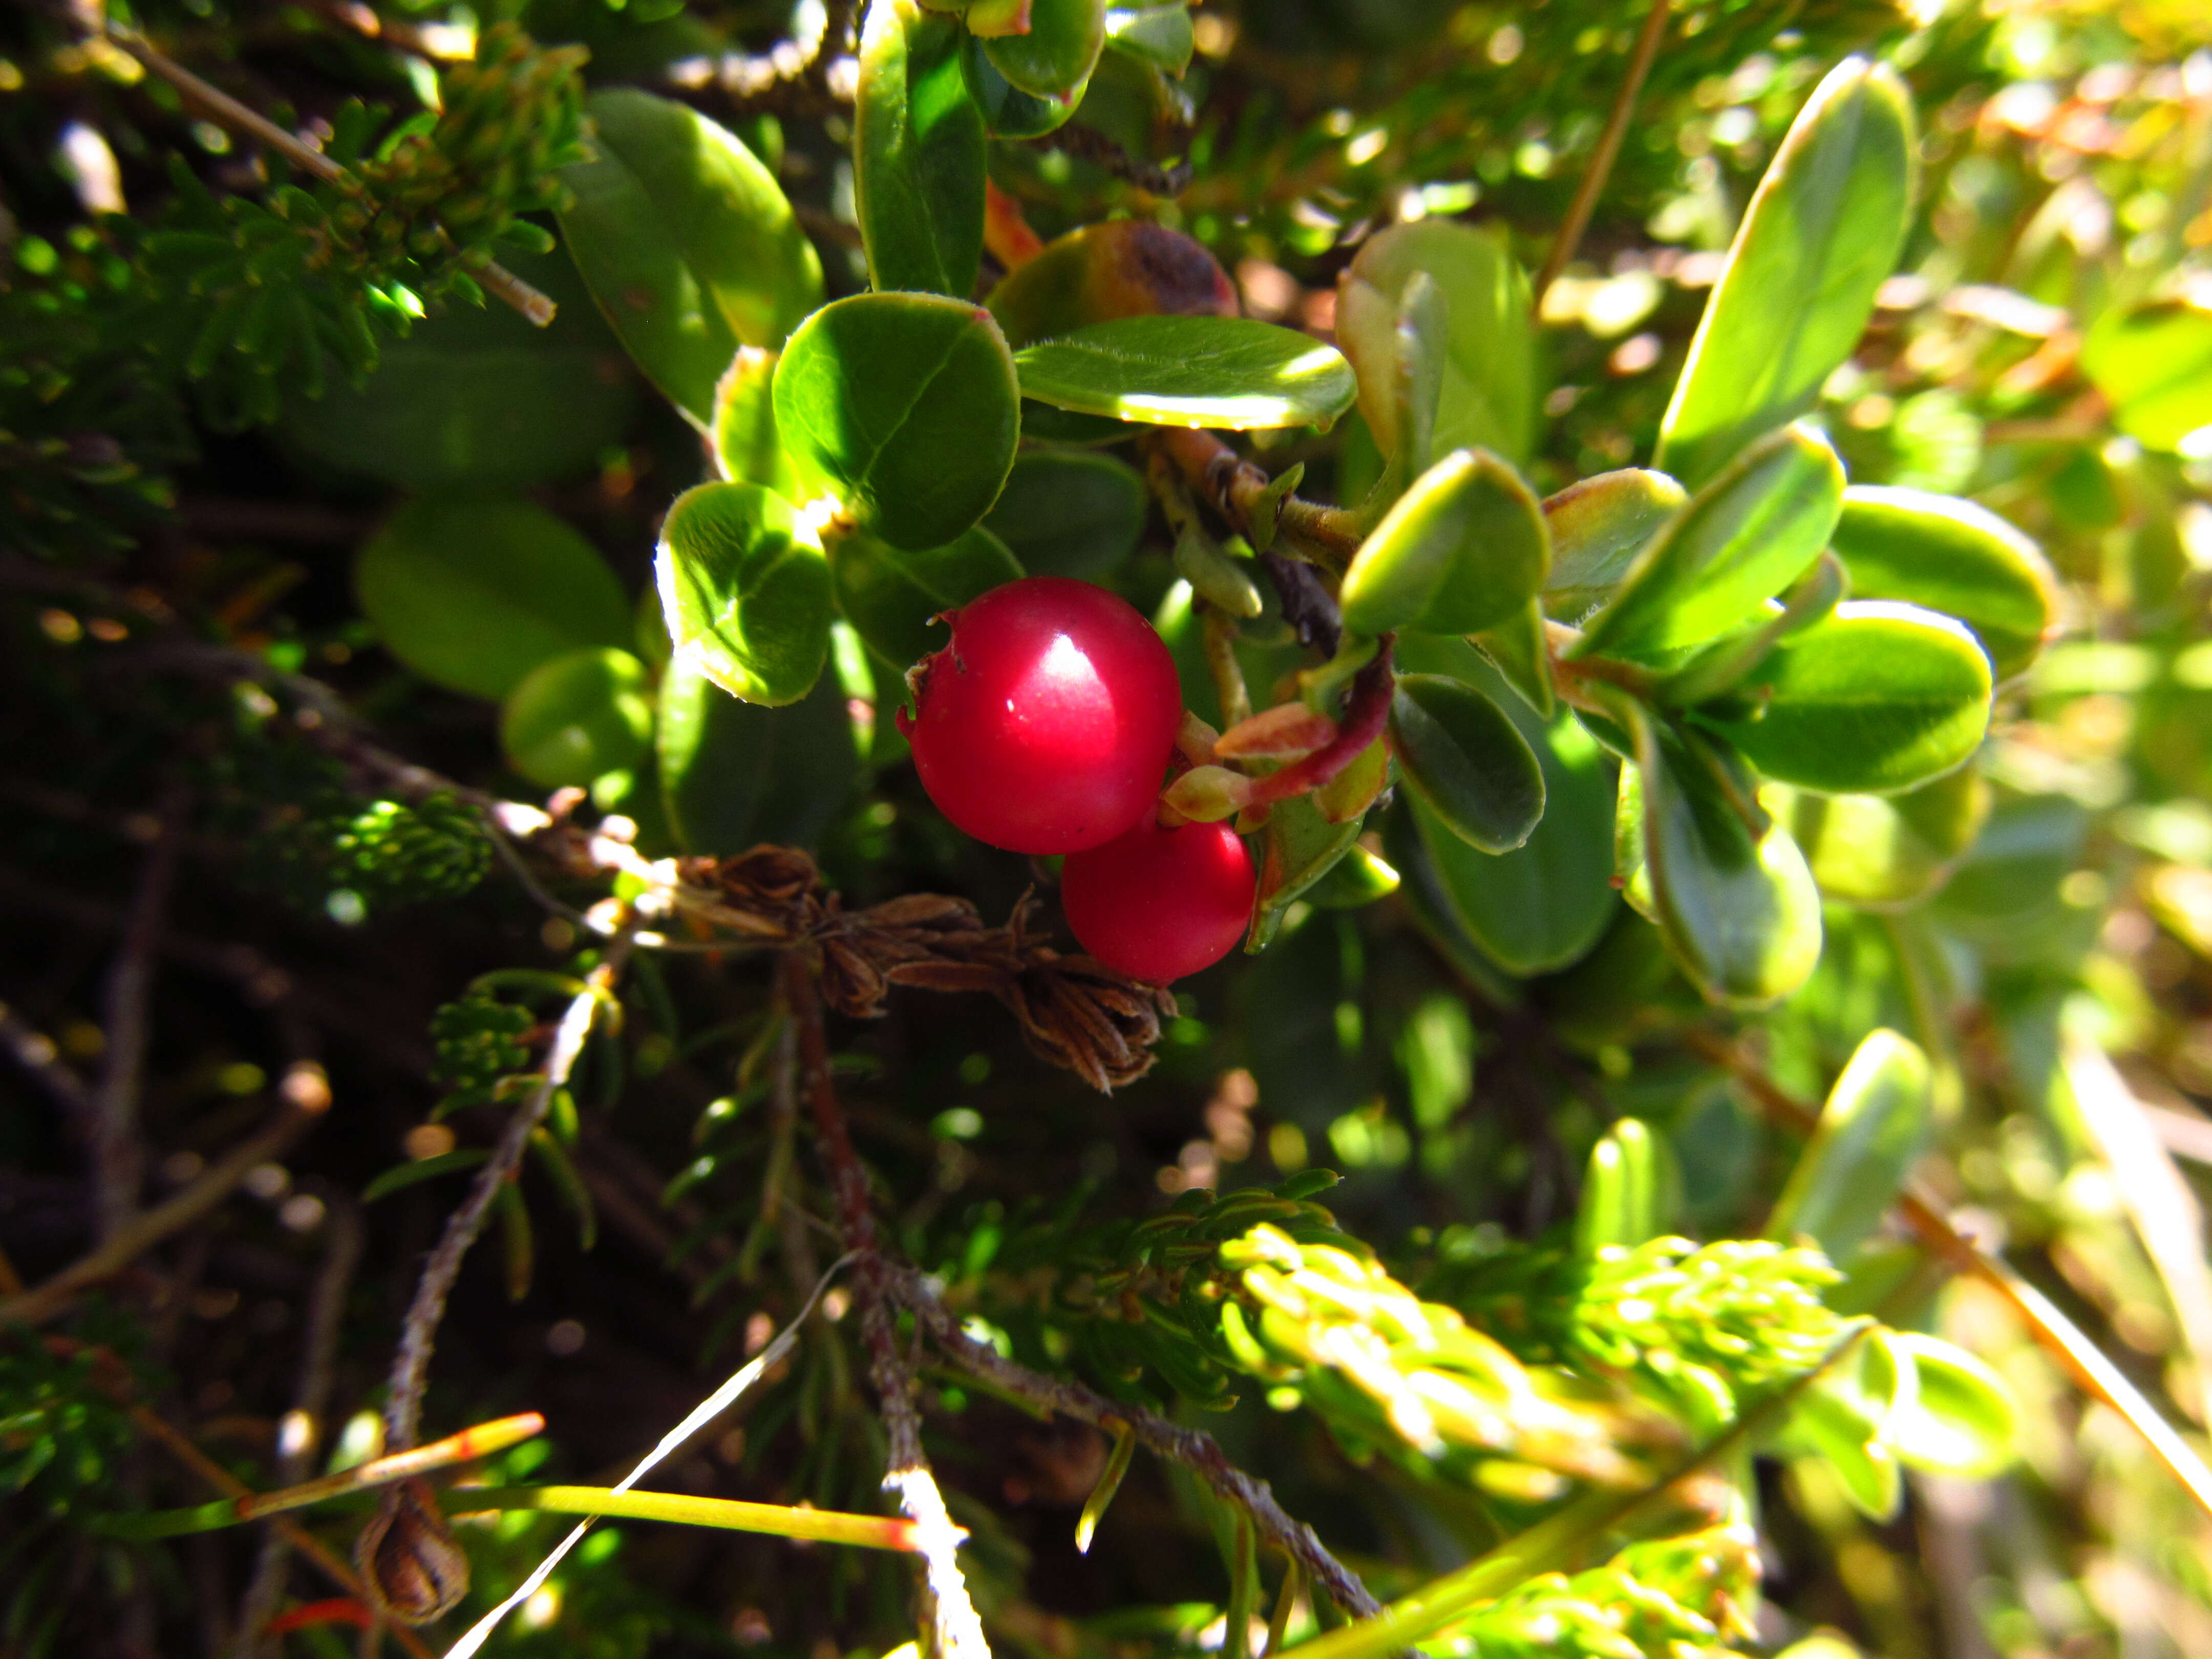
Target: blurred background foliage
[165,498]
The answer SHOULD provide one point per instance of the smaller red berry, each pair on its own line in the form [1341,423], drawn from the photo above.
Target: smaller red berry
[1160,903]
[1046,725]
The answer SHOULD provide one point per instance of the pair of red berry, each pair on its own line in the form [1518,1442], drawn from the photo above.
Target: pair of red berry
[1047,726]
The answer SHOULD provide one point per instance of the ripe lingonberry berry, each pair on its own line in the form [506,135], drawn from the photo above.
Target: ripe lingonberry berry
[1160,903]
[1046,725]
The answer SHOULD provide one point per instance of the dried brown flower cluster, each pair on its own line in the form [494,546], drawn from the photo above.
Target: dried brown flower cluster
[1073,1011]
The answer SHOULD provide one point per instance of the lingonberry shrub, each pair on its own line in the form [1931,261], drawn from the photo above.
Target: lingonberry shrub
[1045,724]
[1158,903]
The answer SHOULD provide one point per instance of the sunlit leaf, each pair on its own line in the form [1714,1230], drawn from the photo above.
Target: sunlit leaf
[1952,556]
[746,590]
[918,144]
[1191,372]
[1876,1121]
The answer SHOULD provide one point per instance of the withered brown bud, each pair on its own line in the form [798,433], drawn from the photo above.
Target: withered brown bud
[413,1568]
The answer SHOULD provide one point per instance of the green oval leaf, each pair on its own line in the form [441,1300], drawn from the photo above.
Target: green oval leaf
[1871,1129]
[1488,397]
[1878,698]
[577,717]
[918,145]
[473,595]
[1883,852]
[1541,907]
[904,406]
[1009,112]
[1821,235]
[1464,548]
[1466,761]
[1119,268]
[1190,371]
[745,446]
[1066,513]
[1957,1417]
[1751,532]
[686,241]
[2154,368]
[1952,556]
[1598,526]
[1052,57]
[892,599]
[746,590]
[1739,910]
[734,775]
[479,399]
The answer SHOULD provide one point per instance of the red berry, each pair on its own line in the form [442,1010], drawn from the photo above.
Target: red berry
[1046,725]
[1160,903]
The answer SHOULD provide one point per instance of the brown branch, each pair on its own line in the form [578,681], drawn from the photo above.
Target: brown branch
[117,1156]
[1089,144]
[1608,150]
[305,1105]
[1241,492]
[410,1365]
[37,1054]
[1194,1449]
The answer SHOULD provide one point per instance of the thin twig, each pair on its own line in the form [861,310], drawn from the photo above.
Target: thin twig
[1194,1449]
[1241,492]
[299,1433]
[1608,150]
[956,1630]
[411,1366]
[118,1155]
[2052,1331]
[236,118]
[172,1215]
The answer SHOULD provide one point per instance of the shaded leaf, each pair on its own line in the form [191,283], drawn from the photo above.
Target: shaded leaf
[1190,371]
[746,590]
[422,1169]
[734,775]
[892,599]
[686,241]
[904,405]
[1054,57]
[1821,235]
[473,595]
[1297,847]
[1885,851]
[1118,268]
[1066,513]
[1466,761]
[1008,111]
[577,716]
[745,446]
[1159,35]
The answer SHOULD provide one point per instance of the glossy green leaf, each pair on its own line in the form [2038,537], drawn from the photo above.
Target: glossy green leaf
[1159,35]
[479,399]
[1054,57]
[1464,550]
[2154,368]
[1952,556]
[1520,648]
[578,716]
[1540,907]
[917,148]
[1190,371]
[1748,534]
[1876,1121]
[1740,911]
[1424,347]
[1625,1197]
[903,405]
[473,595]
[892,599]
[1489,393]
[686,243]
[1066,513]
[1880,697]
[1821,235]
[1882,853]
[1297,848]
[1957,1417]
[1466,761]
[1598,527]
[1358,878]
[734,775]
[1008,111]
[1117,268]
[746,590]
[746,447]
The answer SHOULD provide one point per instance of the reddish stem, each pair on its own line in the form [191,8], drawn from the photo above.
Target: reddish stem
[1366,711]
